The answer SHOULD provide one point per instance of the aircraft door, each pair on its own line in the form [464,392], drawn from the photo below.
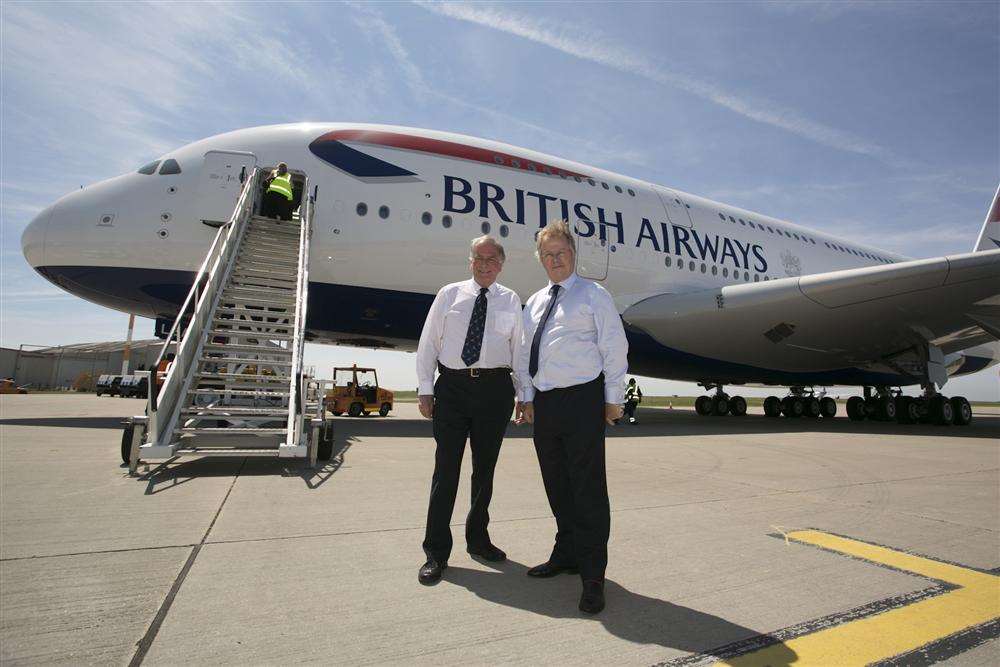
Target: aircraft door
[220,184]
[592,254]
[677,211]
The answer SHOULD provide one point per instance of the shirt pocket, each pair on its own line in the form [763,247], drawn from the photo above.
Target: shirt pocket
[503,323]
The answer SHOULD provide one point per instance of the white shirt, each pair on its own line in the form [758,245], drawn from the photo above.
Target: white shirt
[447,324]
[583,337]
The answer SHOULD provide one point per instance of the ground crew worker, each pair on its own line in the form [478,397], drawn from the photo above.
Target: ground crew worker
[278,197]
[633,397]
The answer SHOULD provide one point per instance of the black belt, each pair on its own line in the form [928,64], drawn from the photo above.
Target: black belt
[474,372]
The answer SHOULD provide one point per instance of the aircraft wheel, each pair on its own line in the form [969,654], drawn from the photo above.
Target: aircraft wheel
[856,408]
[127,441]
[962,409]
[703,406]
[772,406]
[793,406]
[384,409]
[325,450]
[828,407]
[811,408]
[366,412]
[941,411]
[355,410]
[336,413]
[737,406]
[720,406]
[887,409]
[903,409]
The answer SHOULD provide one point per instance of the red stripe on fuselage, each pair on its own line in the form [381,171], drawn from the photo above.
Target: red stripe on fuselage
[446,149]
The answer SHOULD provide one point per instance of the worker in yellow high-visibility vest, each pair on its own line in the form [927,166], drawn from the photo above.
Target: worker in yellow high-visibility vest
[278,196]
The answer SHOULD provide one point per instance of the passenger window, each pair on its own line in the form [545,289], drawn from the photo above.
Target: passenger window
[722,217]
[362,209]
[631,192]
[725,272]
[604,185]
[666,261]
[170,167]
[446,221]
[149,168]
[618,189]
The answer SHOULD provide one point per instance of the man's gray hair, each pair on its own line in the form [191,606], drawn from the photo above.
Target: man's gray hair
[486,238]
[554,230]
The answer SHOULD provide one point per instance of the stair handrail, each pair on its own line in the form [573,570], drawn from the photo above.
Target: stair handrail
[202,295]
[296,395]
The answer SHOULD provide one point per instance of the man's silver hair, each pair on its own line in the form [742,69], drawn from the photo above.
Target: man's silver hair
[486,238]
[554,230]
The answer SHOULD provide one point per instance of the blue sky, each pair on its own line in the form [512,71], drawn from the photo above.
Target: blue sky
[876,121]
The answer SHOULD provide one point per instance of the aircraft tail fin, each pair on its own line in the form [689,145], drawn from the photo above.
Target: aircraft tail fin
[989,236]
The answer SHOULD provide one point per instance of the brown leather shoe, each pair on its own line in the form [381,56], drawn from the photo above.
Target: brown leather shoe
[431,571]
[550,569]
[592,598]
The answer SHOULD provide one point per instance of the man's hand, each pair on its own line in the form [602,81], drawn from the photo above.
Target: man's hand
[525,413]
[612,411]
[426,406]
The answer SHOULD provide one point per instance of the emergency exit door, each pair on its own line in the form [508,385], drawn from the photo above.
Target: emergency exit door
[220,184]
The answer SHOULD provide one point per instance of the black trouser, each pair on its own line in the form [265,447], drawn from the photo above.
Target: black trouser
[478,409]
[630,407]
[276,205]
[569,441]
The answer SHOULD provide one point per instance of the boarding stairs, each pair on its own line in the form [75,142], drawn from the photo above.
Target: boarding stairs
[236,386]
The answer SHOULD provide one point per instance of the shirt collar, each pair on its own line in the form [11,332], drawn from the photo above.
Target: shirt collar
[473,287]
[566,284]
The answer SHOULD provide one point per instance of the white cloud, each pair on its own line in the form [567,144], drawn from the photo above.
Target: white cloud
[592,46]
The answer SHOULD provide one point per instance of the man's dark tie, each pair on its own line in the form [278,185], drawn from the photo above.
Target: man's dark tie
[536,342]
[474,336]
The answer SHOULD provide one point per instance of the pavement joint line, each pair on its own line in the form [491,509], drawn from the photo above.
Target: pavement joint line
[144,644]
[96,553]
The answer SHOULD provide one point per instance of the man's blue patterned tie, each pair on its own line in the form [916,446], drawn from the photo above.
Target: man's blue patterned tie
[474,336]
[536,342]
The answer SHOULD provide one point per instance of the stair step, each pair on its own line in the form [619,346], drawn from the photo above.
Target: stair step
[234,333]
[236,430]
[253,312]
[274,303]
[256,393]
[243,413]
[244,347]
[263,274]
[243,360]
[277,291]
[244,376]
[226,451]
[263,328]
[268,242]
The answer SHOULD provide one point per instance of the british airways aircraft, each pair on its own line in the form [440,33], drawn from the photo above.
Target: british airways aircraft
[708,292]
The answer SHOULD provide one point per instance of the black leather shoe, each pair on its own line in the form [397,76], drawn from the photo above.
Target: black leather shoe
[592,598]
[550,569]
[431,571]
[489,552]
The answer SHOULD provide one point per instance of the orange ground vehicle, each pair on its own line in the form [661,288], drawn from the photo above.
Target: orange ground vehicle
[359,394]
[7,386]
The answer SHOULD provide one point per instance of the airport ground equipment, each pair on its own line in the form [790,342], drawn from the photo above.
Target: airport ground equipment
[236,385]
[360,395]
[8,386]
[108,384]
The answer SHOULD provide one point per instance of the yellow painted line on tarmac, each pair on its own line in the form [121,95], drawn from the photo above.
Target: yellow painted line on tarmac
[893,632]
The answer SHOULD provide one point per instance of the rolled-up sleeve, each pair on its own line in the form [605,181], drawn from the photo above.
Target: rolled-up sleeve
[612,343]
[429,347]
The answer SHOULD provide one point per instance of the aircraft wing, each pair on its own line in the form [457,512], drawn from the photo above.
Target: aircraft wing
[879,316]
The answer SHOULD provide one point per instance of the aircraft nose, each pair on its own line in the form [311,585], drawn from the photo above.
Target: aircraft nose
[33,238]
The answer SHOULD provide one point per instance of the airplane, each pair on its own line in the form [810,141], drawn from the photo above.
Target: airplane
[708,292]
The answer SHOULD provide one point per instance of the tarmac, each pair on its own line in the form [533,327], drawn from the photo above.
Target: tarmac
[741,540]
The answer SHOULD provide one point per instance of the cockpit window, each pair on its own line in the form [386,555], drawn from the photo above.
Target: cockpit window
[149,168]
[170,167]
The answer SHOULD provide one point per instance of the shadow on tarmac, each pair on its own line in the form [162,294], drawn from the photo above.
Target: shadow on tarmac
[172,474]
[664,423]
[629,615]
[67,422]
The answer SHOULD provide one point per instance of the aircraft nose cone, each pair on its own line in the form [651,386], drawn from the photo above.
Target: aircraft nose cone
[33,238]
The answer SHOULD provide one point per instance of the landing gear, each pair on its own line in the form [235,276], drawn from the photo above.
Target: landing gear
[800,402]
[720,403]
[885,404]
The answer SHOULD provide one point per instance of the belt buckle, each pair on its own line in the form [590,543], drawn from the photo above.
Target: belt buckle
[474,372]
